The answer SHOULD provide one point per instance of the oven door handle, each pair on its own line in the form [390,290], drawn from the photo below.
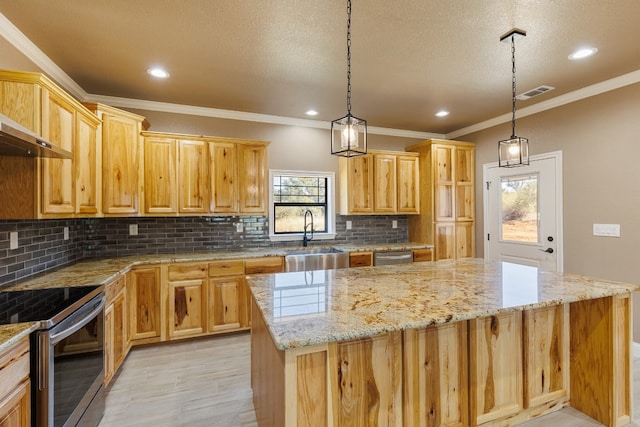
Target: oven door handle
[59,336]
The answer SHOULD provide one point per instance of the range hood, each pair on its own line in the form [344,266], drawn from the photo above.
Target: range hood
[16,140]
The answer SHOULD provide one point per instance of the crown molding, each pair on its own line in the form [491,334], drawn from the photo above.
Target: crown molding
[14,36]
[577,95]
[166,107]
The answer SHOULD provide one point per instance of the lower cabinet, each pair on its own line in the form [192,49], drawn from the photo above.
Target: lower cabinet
[116,342]
[226,303]
[143,296]
[15,386]
[187,296]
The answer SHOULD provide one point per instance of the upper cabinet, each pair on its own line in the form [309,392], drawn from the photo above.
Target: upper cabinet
[48,188]
[380,182]
[119,137]
[188,174]
[447,203]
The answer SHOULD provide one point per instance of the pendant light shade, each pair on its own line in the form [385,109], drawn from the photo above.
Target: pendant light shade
[348,133]
[515,150]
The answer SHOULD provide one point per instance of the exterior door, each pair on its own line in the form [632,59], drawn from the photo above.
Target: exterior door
[523,213]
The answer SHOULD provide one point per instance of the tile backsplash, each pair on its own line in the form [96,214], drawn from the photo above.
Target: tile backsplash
[42,247]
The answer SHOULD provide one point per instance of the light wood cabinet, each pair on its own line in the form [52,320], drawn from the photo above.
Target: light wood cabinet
[447,202]
[380,182]
[116,342]
[224,179]
[119,137]
[193,176]
[143,299]
[421,255]
[226,303]
[160,186]
[187,303]
[252,178]
[88,173]
[48,187]
[360,259]
[15,386]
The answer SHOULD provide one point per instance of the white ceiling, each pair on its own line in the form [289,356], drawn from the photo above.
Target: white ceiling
[409,58]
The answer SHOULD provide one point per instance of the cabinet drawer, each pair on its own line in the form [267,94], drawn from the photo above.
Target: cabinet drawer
[360,259]
[14,366]
[272,264]
[226,268]
[420,255]
[113,288]
[187,272]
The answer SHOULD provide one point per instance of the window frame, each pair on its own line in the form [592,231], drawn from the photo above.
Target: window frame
[330,211]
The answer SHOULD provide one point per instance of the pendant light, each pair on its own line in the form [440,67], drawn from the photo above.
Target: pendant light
[515,150]
[349,133]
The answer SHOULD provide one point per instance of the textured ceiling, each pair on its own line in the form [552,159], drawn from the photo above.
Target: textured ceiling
[409,58]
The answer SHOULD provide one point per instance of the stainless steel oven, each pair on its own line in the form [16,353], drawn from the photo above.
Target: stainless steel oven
[67,352]
[69,369]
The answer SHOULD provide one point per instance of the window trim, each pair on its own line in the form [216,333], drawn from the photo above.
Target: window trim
[330,214]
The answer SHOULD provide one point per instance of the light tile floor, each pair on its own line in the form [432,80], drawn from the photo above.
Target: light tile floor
[206,382]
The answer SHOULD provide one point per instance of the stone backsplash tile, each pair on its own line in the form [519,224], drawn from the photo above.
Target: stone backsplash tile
[42,247]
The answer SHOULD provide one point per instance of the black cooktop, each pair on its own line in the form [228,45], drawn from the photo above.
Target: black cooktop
[41,304]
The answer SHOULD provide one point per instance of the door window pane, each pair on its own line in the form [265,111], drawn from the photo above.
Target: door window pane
[519,201]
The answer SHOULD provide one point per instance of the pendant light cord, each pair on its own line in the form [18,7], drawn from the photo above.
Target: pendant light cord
[513,86]
[349,57]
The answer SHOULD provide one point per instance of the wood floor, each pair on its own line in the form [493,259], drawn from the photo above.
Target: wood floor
[206,382]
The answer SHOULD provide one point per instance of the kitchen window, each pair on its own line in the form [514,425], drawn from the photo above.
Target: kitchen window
[292,194]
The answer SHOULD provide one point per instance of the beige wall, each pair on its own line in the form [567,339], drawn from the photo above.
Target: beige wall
[600,141]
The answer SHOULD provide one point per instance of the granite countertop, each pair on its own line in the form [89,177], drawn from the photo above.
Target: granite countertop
[307,308]
[102,271]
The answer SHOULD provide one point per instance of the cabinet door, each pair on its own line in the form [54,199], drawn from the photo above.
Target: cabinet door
[360,184]
[160,186]
[109,335]
[193,160]
[86,165]
[385,183]
[15,409]
[443,185]
[187,308]
[465,240]
[224,181]
[119,330]
[464,177]
[408,184]
[120,164]
[252,166]
[20,102]
[143,298]
[445,240]
[57,174]
[226,303]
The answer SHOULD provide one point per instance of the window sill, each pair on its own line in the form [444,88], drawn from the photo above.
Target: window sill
[298,237]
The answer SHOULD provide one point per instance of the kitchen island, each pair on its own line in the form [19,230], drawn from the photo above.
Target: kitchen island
[450,343]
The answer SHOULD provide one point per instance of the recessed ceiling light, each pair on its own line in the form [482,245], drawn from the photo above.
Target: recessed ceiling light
[311,113]
[158,72]
[584,52]
[442,113]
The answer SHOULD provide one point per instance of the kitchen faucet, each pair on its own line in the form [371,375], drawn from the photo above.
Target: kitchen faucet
[305,239]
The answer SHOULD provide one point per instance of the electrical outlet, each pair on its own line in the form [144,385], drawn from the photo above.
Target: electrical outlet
[608,230]
[133,229]
[239,227]
[13,240]
[349,224]
[65,233]
[394,224]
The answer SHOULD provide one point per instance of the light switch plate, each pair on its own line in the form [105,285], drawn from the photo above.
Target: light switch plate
[239,227]
[394,224]
[65,233]
[349,225]
[13,240]
[133,229]
[608,230]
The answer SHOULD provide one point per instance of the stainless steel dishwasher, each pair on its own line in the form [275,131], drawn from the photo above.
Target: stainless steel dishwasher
[396,257]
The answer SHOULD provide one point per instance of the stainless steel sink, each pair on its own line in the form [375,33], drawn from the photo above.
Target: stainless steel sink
[315,259]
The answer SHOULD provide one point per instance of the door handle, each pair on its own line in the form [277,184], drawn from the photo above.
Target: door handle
[548,250]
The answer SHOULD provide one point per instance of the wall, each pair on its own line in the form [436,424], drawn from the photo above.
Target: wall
[600,141]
